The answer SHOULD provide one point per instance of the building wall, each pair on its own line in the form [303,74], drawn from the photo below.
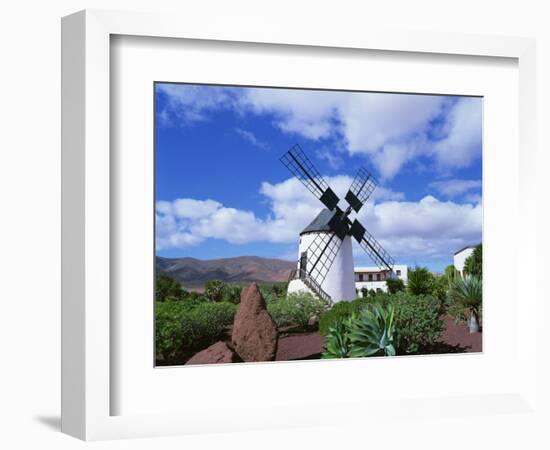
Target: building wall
[359,285]
[460,258]
[339,282]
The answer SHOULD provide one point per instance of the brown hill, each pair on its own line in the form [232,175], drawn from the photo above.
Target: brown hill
[193,273]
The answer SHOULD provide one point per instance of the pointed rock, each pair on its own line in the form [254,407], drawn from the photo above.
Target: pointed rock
[255,334]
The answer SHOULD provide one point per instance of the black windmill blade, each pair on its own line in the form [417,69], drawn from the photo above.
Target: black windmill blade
[362,186]
[324,248]
[371,246]
[299,165]
[323,251]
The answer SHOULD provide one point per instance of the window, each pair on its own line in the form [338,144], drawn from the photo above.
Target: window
[303,264]
[370,276]
[360,277]
[398,273]
[378,277]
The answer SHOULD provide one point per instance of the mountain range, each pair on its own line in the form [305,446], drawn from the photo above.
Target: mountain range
[192,273]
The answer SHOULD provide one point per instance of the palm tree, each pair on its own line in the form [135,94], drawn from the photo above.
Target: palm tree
[420,281]
[465,300]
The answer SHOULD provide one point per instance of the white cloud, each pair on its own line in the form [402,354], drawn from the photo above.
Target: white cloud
[391,130]
[296,111]
[420,230]
[334,160]
[455,187]
[187,103]
[462,143]
[251,138]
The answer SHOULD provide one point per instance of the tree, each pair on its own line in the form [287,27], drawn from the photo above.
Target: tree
[451,273]
[213,290]
[395,285]
[232,294]
[420,281]
[440,288]
[474,263]
[168,289]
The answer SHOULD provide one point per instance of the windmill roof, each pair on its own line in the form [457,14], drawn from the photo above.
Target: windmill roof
[320,223]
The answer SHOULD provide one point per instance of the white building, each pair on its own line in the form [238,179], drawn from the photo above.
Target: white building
[338,278]
[460,258]
[375,278]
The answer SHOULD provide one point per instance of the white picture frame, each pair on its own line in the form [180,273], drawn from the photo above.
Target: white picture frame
[86,238]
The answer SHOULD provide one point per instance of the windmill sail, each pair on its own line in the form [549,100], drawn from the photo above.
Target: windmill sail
[336,225]
[322,252]
[361,189]
[300,165]
[376,252]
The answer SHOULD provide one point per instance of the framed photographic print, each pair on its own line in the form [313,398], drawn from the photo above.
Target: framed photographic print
[286,212]
[232,209]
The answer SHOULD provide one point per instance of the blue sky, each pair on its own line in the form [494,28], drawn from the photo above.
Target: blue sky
[221,190]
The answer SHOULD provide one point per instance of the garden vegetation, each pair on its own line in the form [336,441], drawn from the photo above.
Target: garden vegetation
[407,320]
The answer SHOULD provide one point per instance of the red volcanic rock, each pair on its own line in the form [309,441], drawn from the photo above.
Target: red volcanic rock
[254,332]
[217,353]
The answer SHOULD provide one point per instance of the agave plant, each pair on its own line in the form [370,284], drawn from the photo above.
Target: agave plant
[337,342]
[465,300]
[372,332]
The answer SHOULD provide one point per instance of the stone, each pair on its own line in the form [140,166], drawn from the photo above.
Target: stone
[217,353]
[255,334]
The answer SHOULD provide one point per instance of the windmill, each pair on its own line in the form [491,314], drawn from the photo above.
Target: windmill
[325,263]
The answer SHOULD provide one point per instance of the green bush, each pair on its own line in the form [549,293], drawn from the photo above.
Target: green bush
[417,323]
[232,294]
[296,309]
[213,290]
[395,285]
[337,340]
[367,333]
[371,332]
[341,311]
[183,327]
[168,289]
[420,281]
[440,288]
[473,265]
[465,298]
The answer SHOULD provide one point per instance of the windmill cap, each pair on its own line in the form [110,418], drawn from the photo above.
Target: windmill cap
[320,223]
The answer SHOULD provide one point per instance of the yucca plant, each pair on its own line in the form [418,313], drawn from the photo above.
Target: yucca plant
[465,299]
[372,332]
[337,342]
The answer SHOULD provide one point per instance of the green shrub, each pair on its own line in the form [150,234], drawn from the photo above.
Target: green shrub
[296,309]
[420,281]
[339,312]
[232,294]
[371,332]
[473,265]
[465,298]
[417,323]
[168,289]
[184,327]
[440,288]
[213,290]
[337,340]
[395,285]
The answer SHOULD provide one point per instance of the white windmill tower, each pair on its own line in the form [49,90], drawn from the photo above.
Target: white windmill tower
[325,265]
